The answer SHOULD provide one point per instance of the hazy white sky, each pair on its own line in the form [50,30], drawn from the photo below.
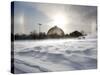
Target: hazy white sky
[28,15]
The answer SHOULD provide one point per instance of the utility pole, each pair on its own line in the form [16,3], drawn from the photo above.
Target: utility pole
[39,27]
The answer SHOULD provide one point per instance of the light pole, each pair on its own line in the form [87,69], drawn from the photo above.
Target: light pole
[39,27]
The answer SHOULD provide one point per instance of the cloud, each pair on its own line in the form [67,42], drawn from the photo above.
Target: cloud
[77,17]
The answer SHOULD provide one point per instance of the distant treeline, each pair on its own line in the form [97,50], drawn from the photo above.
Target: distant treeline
[42,35]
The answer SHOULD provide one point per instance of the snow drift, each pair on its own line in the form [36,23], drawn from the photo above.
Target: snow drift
[55,55]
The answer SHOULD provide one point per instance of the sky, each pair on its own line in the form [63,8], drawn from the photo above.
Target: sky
[28,16]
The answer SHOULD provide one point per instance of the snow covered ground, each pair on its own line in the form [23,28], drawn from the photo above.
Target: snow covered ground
[55,55]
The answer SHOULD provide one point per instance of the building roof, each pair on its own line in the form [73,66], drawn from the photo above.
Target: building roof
[55,31]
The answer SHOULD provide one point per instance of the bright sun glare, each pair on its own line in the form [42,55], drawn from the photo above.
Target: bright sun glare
[59,20]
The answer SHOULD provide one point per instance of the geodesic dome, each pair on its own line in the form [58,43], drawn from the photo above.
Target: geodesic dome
[55,32]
